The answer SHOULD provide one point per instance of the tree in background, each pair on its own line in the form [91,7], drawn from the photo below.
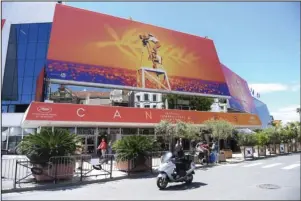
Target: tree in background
[195,102]
[220,129]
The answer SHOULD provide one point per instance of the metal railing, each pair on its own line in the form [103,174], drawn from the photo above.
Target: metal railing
[19,172]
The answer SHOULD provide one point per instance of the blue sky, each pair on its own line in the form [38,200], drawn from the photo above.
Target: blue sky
[260,41]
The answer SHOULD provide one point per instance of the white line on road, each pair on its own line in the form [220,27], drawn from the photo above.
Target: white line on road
[291,167]
[251,165]
[272,165]
[232,165]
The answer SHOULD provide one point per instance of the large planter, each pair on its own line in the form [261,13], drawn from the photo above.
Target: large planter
[298,146]
[52,172]
[286,148]
[272,148]
[260,150]
[136,165]
[277,148]
[247,151]
[227,153]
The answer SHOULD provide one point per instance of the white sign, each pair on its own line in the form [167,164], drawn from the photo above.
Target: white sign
[281,148]
[249,152]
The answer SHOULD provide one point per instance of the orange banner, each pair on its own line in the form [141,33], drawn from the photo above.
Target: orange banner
[92,47]
[88,113]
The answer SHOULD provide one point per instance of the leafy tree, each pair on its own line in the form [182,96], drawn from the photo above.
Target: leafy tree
[195,102]
[220,129]
[262,138]
[187,130]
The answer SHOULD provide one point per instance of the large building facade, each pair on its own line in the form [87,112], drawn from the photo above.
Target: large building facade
[26,40]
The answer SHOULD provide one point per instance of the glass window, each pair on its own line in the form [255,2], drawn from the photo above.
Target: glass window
[21,54]
[29,68]
[41,50]
[27,86]
[33,33]
[20,86]
[23,33]
[39,64]
[12,35]
[21,67]
[4,108]
[154,106]
[138,98]
[17,29]
[43,32]
[31,51]
[26,99]
[146,106]
[11,108]
[145,97]
[11,51]
[154,97]
[129,131]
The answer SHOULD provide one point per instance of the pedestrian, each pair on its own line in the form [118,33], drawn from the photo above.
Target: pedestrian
[215,150]
[78,154]
[103,148]
[109,151]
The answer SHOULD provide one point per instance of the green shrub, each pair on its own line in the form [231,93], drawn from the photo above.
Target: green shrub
[246,139]
[262,138]
[131,147]
[40,147]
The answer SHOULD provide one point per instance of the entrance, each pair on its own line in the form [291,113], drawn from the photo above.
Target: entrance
[89,140]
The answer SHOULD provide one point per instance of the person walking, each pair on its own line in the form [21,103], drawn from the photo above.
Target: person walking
[103,148]
[215,150]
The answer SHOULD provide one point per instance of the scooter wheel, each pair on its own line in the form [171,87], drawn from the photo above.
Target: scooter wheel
[189,179]
[161,183]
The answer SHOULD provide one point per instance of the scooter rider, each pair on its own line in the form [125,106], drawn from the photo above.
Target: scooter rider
[179,159]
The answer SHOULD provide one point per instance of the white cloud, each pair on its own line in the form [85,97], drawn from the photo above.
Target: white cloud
[287,114]
[274,87]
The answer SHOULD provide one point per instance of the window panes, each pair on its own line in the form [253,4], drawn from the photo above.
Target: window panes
[39,64]
[26,99]
[23,33]
[43,32]
[4,108]
[33,33]
[21,67]
[20,86]
[41,51]
[21,53]
[29,68]
[27,85]
[11,108]
[31,51]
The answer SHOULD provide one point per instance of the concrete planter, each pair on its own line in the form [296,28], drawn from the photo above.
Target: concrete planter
[286,150]
[260,150]
[138,165]
[298,146]
[247,151]
[56,171]
[227,152]
[272,148]
[277,148]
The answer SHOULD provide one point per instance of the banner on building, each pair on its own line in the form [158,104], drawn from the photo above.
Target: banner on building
[66,114]
[95,49]
[241,98]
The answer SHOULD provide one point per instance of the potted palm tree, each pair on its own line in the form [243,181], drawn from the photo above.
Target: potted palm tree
[48,153]
[133,153]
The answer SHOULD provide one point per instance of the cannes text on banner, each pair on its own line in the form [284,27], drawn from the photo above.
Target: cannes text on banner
[92,47]
[39,111]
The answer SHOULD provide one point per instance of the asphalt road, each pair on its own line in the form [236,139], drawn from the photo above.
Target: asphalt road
[234,181]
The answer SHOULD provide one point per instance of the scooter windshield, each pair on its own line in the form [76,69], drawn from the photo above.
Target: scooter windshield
[166,157]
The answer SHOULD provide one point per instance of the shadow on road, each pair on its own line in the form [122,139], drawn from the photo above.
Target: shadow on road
[184,186]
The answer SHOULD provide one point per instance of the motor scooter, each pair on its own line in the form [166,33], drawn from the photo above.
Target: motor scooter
[168,173]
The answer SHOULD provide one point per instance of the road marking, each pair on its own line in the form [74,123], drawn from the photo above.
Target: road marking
[232,165]
[272,165]
[251,165]
[291,167]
